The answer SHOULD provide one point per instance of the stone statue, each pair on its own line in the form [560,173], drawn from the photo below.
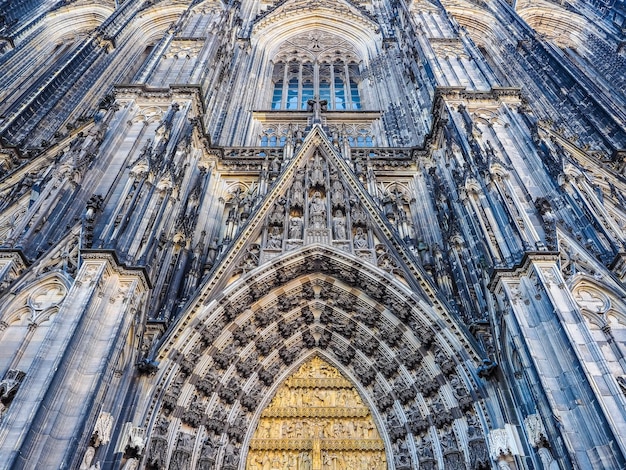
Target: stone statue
[317,211]
[316,177]
[275,239]
[277,216]
[360,239]
[305,461]
[231,458]
[339,226]
[337,196]
[295,227]
[297,190]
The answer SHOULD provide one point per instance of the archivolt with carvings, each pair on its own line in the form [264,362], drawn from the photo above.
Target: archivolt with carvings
[411,369]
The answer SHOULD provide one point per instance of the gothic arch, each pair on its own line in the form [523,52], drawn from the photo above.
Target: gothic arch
[412,365]
[27,318]
[563,27]
[275,28]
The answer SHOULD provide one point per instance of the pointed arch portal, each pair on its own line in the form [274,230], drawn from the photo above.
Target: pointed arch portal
[317,420]
[408,361]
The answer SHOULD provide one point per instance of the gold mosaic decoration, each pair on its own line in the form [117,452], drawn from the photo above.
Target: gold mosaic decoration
[316,421]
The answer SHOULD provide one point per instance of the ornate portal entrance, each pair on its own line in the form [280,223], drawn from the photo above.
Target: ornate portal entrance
[316,421]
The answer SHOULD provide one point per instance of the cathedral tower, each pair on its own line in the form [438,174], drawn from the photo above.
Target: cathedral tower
[315,235]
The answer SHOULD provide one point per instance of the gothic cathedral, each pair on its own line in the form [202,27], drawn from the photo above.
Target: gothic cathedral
[313,234]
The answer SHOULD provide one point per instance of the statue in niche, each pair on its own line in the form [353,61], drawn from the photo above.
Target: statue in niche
[358,214]
[257,462]
[275,239]
[339,226]
[358,167]
[424,450]
[402,455]
[297,190]
[316,177]
[231,458]
[275,166]
[278,214]
[305,461]
[182,455]
[317,210]
[295,227]
[360,239]
[337,195]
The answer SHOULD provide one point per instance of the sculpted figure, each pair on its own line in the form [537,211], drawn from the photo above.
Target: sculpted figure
[360,239]
[317,210]
[295,227]
[337,193]
[339,226]
[297,190]
[317,172]
[275,238]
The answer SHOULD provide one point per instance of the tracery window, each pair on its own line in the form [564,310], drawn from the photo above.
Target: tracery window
[316,64]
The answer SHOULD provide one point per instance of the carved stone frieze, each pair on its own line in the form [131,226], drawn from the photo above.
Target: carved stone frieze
[316,416]
[157,450]
[181,458]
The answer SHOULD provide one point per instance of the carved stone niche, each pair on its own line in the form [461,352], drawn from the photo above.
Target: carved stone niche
[417,422]
[365,373]
[230,392]
[10,384]
[132,440]
[237,430]
[243,335]
[194,414]
[157,451]
[383,398]
[208,384]
[405,393]
[396,429]
[425,384]
[425,453]
[502,445]
[231,457]
[392,335]
[461,394]
[366,343]
[402,456]
[210,447]
[410,358]
[535,431]
[181,458]
[102,430]
[267,375]
[188,363]
[387,366]
[171,396]
[445,363]
[441,416]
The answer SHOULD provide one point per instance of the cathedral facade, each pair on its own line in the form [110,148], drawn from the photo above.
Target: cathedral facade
[312,234]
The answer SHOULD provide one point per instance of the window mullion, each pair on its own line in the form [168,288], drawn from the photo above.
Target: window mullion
[285,85]
[331,105]
[299,103]
[346,86]
[316,79]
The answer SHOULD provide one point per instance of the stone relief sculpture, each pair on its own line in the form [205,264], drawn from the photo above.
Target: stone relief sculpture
[339,226]
[295,227]
[327,426]
[317,211]
[360,239]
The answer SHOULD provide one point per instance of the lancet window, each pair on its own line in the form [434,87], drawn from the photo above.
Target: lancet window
[316,64]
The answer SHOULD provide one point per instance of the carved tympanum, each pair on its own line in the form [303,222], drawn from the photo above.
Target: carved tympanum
[316,420]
